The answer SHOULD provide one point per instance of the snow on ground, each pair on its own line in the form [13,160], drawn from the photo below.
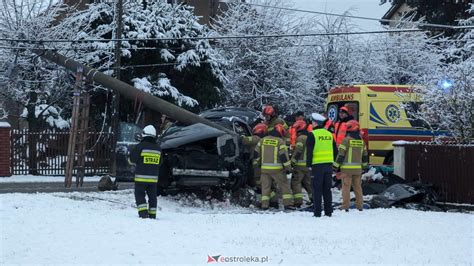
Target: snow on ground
[91,228]
[40,179]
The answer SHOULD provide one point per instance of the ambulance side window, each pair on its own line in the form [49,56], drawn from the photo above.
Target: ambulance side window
[333,110]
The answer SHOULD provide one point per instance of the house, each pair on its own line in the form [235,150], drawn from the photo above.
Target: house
[399,10]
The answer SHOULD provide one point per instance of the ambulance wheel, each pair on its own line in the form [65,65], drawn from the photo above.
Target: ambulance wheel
[388,159]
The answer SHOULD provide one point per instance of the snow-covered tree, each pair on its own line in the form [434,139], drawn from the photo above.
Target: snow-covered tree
[333,58]
[266,70]
[447,94]
[185,71]
[25,77]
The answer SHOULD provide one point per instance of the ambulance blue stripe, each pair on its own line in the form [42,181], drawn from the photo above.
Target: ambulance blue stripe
[408,132]
[375,117]
[376,121]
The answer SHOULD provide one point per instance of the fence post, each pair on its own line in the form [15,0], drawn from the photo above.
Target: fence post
[399,158]
[5,151]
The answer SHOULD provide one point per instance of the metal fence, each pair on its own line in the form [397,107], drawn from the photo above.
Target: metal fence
[45,152]
[450,168]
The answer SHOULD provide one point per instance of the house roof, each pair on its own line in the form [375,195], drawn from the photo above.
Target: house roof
[391,12]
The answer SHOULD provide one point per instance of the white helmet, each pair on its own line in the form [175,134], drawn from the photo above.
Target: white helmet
[149,131]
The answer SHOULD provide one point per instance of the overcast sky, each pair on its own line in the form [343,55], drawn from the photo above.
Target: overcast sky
[364,8]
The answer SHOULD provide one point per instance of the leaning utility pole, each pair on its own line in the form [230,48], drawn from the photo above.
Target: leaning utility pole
[130,92]
[115,115]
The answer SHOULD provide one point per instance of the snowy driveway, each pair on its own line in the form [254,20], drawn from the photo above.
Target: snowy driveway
[91,228]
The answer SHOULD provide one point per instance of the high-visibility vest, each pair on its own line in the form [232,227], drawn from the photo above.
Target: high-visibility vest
[340,132]
[270,149]
[323,147]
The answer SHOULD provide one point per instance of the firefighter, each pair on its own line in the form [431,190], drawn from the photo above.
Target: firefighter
[146,156]
[293,134]
[321,148]
[250,142]
[301,177]
[271,154]
[272,119]
[345,115]
[351,159]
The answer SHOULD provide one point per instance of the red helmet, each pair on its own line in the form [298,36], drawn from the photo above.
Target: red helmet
[268,110]
[345,109]
[299,125]
[352,125]
[280,129]
[260,128]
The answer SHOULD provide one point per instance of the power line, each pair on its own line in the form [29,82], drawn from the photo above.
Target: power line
[216,37]
[420,24]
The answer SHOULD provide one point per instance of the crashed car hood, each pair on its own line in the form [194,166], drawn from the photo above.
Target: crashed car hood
[177,136]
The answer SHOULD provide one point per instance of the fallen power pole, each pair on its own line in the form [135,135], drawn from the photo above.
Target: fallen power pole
[130,92]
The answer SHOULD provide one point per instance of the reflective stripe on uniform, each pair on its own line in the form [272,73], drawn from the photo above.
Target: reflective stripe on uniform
[273,194]
[151,151]
[146,178]
[300,163]
[152,211]
[272,166]
[351,166]
[298,195]
[142,207]
[287,196]
[287,164]
[265,198]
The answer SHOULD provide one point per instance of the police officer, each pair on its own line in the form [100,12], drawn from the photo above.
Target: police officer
[271,154]
[351,159]
[321,148]
[146,156]
[301,176]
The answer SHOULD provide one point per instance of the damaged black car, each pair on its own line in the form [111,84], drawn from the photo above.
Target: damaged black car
[200,157]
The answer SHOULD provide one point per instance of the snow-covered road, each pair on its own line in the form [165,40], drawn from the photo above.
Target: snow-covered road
[91,228]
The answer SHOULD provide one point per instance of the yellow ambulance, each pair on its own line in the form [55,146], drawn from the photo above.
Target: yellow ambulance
[382,120]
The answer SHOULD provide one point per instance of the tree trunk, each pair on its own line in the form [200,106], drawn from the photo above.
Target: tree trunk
[32,138]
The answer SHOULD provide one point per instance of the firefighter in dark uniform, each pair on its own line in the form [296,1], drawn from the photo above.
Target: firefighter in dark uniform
[321,148]
[146,156]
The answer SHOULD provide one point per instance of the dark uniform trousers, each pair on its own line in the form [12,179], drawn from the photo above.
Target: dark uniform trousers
[148,189]
[321,181]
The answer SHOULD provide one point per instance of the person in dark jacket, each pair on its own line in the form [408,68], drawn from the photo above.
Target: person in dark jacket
[320,154]
[146,156]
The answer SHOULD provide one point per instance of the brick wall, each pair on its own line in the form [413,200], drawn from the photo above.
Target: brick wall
[5,152]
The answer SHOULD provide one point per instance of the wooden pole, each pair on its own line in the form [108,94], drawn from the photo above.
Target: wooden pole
[71,156]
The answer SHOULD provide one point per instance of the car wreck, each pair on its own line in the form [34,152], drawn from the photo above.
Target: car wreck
[198,157]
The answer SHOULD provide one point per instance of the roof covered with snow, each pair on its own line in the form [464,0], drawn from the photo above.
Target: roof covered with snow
[5,124]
